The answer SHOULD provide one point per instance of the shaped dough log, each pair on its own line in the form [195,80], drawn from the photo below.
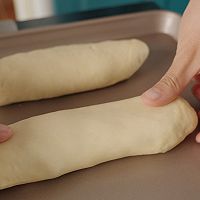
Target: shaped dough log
[50,145]
[69,69]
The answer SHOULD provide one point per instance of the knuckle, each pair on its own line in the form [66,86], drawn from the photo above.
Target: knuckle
[171,81]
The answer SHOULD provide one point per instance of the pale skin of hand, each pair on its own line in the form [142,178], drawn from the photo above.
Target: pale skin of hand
[185,67]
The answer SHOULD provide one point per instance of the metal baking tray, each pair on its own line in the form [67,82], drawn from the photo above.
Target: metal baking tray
[174,175]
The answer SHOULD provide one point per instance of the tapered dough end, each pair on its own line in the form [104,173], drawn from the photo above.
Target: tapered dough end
[141,52]
[187,115]
[142,49]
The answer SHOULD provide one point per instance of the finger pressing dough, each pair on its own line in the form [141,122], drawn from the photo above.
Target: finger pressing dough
[51,145]
[69,69]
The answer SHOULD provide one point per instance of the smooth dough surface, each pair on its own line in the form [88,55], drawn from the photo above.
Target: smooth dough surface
[50,145]
[68,69]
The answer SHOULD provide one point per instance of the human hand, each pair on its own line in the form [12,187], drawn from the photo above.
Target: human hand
[5,133]
[186,64]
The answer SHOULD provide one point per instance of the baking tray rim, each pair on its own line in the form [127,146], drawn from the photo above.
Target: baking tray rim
[90,22]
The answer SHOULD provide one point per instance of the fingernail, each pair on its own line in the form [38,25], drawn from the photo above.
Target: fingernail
[4,128]
[152,94]
[5,133]
[198,138]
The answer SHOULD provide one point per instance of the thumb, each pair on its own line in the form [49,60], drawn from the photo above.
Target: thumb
[165,91]
[172,83]
[5,133]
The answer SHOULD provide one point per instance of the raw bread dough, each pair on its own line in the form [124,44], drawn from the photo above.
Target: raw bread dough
[68,69]
[50,145]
